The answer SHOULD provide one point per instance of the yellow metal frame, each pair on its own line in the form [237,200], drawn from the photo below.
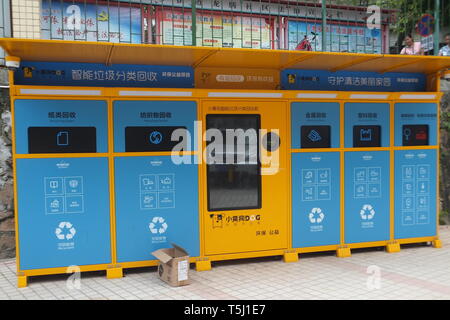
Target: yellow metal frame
[203,262]
[289,254]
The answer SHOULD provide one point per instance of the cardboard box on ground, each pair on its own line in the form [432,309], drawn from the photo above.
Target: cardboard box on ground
[173,266]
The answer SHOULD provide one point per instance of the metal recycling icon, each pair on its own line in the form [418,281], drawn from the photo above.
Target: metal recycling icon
[65,226]
[158,225]
[367,212]
[316,215]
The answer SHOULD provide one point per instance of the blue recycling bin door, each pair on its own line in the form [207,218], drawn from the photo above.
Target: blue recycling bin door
[315,199]
[367,194]
[315,175]
[416,170]
[415,196]
[63,212]
[64,201]
[156,195]
[367,173]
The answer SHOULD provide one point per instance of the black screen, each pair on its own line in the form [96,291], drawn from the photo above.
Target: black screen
[145,139]
[366,136]
[315,136]
[415,135]
[62,139]
[234,177]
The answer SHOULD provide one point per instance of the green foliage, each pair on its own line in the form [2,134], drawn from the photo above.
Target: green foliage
[444,218]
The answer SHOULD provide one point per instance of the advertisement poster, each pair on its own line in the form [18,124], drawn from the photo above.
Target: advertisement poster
[214,30]
[340,38]
[69,20]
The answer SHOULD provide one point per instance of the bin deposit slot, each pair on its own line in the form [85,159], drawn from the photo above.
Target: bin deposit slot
[415,135]
[315,136]
[366,136]
[145,139]
[62,140]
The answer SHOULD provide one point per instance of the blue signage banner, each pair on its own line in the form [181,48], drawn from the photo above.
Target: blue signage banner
[293,79]
[96,74]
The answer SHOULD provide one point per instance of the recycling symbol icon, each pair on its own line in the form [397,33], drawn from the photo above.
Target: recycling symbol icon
[65,231]
[367,212]
[316,215]
[158,225]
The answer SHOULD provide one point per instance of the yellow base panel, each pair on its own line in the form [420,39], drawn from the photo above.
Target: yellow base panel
[290,256]
[114,272]
[437,243]
[203,265]
[245,255]
[22,281]
[343,252]
[393,247]
[416,240]
[147,263]
[367,244]
[62,270]
[317,249]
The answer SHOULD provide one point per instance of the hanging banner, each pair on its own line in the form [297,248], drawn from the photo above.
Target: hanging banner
[339,38]
[99,75]
[293,79]
[69,20]
[214,30]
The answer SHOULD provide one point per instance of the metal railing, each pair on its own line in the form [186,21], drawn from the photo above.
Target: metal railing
[364,26]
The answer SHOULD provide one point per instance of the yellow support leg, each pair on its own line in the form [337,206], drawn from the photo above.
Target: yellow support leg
[343,252]
[392,247]
[203,265]
[437,243]
[114,272]
[290,256]
[22,281]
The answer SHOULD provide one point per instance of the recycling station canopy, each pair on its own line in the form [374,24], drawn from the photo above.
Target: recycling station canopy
[120,53]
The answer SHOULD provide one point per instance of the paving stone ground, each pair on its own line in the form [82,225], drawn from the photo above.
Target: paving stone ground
[416,272]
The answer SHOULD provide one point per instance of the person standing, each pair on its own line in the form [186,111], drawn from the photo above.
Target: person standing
[412,47]
[445,50]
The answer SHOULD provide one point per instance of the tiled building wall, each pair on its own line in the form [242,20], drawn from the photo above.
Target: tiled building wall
[26,18]
[5,31]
